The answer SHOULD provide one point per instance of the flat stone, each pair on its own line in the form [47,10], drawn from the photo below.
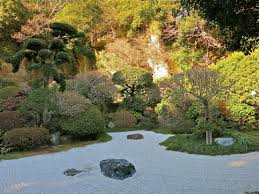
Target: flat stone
[55,138]
[117,168]
[111,125]
[136,136]
[224,141]
[72,172]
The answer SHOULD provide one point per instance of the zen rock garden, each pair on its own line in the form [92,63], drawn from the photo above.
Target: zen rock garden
[129,96]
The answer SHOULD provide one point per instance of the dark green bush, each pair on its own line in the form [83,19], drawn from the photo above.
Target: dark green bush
[203,126]
[62,29]
[38,102]
[147,123]
[10,120]
[26,138]
[35,44]
[185,127]
[149,119]
[148,97]
[124,119]
[85,124]
[135,104]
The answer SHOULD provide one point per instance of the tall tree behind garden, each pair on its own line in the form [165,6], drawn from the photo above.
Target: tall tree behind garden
[47,57]
[203,85]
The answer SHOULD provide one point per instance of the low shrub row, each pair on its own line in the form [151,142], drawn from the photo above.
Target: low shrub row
[84,124]
[189,143]
[11,119]
[26,138]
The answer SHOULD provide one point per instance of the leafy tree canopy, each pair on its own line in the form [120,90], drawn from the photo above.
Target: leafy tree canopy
[12,15]
[237,19]
[83,14]
[47,57]
[242,73]
[132,79]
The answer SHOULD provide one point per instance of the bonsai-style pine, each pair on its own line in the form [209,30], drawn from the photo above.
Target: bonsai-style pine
[49,57]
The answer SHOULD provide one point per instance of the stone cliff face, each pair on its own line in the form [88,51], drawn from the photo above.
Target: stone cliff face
[155,59]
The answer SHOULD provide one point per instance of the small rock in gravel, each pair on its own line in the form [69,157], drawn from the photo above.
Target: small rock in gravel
[72,172]
[136,136]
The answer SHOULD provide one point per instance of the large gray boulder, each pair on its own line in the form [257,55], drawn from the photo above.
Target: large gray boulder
[117,168]
[136,136]
[224,141]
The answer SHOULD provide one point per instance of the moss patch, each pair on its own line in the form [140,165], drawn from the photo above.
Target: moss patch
[54,149]
[192,145]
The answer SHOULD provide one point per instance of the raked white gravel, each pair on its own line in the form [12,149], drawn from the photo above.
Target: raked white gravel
[158,171]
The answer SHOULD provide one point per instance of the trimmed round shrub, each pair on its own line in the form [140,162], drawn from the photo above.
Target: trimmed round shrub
[10,120]
[35,44]
[62,29]
[26,138]
[71,103]
[95,86]
[85,124]
[124,119]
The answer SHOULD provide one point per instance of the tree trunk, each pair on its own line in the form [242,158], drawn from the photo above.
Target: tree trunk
[209,138]
[206,106]
[45,82]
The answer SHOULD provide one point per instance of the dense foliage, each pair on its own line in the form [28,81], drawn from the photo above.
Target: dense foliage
[26,138]
[39,105]
[241,74]
[124,119]
[12,15]
[11,119]
[95,86]
[132,80]
[237,19]
[88,123]
[71,103]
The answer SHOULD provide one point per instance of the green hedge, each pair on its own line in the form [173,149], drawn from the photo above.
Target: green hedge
[10,120]
[84,124]
[26,138]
